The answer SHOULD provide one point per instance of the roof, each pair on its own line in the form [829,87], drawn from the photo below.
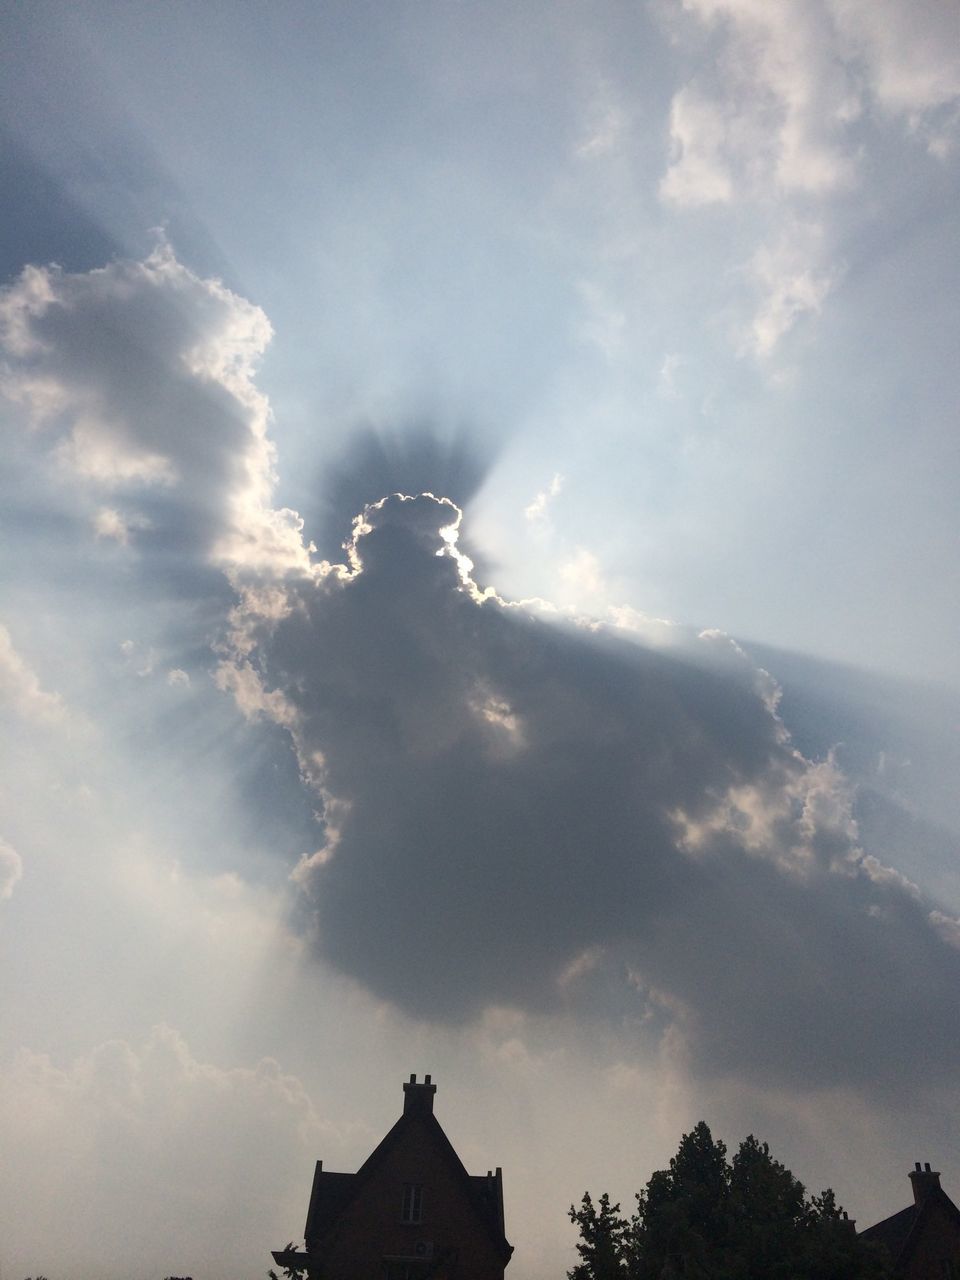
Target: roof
[333,1192]
[892,1232]
[900,1232]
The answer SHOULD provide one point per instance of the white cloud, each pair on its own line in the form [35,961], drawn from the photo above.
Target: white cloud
[20,687]
[537,509]
[11,870]
[790,79]
[245,685]
[656,632]
[790,280]
[772,115]
[142,663]
[947,927]
[142,373]
[909,50]
[699,172]
[23,305]
[771,124]
[884,875]
[110,524]
[605,127]
[582,574]
[802,819]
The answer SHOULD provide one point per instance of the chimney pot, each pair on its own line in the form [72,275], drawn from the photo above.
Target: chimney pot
[418,1098]
[925,1181]
[916,1166]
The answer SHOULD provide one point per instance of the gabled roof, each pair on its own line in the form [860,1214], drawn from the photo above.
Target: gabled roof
[900,1232]
[892,1232]
[334,1192]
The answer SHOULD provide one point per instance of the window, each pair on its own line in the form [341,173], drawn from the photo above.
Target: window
[403,1269]
[412,1210]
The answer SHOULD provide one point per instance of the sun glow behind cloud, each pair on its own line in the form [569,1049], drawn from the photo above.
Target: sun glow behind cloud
[472,756]
[382,668]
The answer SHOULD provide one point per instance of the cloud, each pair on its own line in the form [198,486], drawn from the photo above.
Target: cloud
[789,280]
[791,80]
[142,664]
[140,374]
[605,129]
[582,575]
[947,927]
[504,792]
[506,796]
[113,525]
[699,171]
[20,687]
[165,1140]
[779,119]
[537,509]
[419,455]
[772,116]
[11,870]
[911,63]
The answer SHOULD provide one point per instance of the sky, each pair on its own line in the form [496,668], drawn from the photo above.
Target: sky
[480,597]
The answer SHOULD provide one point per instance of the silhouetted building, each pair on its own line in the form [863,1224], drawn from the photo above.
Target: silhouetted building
[924,1239]
[411,1212]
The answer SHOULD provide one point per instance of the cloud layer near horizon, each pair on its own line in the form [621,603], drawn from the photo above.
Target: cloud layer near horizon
[108,1129]
[519,809]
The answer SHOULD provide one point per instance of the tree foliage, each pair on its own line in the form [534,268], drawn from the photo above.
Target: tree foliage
[288,1259]
[602,1241]
[708,1218]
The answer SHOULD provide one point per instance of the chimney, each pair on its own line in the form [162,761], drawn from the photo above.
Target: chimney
[925,1181]
[418,1098]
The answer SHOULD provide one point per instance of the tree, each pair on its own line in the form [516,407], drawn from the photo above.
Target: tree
[705,1218]
[601,1245]
[289,1263]
[682,1221]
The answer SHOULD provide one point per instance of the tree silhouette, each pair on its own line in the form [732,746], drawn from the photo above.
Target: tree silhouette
[289,1265]
[602,1240]
[705,1218]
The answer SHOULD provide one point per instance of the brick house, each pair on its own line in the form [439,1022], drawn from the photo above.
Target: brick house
[923,1240]
[410,1212]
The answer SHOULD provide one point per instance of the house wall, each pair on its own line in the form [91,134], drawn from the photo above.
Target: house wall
[370,1228]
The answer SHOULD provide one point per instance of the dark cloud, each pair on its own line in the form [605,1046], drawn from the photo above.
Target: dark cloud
[419,457]
[517,809]
[524,811]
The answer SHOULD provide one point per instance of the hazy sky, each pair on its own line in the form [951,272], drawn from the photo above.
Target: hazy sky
[480,596]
